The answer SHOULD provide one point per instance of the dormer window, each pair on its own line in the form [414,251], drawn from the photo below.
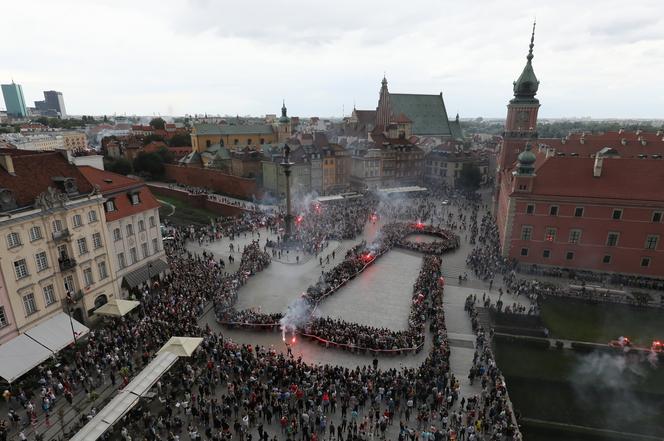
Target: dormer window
[109,205]
[134,198]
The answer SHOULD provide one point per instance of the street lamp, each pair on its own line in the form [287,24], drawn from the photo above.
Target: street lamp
[70,300]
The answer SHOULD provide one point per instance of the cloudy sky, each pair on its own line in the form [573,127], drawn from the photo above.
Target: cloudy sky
[599,58]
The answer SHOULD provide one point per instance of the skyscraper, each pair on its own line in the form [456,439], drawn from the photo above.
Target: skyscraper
[14,101]
[55,101]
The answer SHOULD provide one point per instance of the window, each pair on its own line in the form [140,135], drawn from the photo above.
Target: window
[236,141]
[103,272]
[152,222]
[141,225]
[574,236]
[606,259]
[553,210]
[77,220]
[135,199]
[49,295]
[42,261]
[550,234]
[68,283]
[92,216]
[117,234]
[530,209]
[57,225]
[96,240]
[578,212]
[29,303]
[645,262]
[144,250]
[3,317]
[569,255]
[133,256]
[657,216]
[262,141]
[87,276]
[109,205]
[249,141]
[617,214]
[35,233]
[546,254]
[82,245]
[526,232]
[155,245]
[612,239]
[651,241]
[21,268]
[524,251]
[121,260]
[13,240]
[130,230]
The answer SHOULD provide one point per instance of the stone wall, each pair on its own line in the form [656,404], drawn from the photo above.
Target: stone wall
[197,201]
[242,188]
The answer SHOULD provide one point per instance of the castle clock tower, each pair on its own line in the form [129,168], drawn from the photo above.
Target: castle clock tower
[521,123]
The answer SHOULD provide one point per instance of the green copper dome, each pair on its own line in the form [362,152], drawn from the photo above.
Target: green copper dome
[284,119]
[527,157]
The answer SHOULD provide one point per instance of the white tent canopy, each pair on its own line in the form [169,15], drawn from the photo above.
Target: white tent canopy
[56,333]
[19,355]
[126,398]
[117,307]
[181,346]
[37,344]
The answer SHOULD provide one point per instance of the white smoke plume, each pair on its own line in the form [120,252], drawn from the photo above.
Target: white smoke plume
[296,316]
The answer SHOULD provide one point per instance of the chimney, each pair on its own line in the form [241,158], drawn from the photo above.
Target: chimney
[597,168]
[7,163]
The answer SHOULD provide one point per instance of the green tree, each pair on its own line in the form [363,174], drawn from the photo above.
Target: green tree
[166,155]
[148,139]
[180,140]
[470,176]
[121,166]
[158,123]
[150,164]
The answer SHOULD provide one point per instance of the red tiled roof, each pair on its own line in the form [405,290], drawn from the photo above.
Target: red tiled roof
[593,142]
[621,178]
[118,188]
[33,173]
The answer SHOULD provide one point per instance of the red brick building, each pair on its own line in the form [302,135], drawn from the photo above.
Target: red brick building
[587,201]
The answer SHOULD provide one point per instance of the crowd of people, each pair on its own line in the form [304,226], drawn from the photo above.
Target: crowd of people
[229,391]
[355,336]
[338,332]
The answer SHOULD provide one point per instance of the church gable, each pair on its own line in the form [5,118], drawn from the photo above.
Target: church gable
[427,113]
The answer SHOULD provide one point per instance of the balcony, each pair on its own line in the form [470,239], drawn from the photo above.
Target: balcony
[66,264]
[61,235]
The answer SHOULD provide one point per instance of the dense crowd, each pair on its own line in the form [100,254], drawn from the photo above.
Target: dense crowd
[350,335]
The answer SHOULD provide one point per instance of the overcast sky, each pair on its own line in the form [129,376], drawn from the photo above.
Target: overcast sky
[599,58]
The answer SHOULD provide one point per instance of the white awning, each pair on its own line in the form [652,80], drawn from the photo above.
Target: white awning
[56,333]
[126,398]
[19,355]
[117,307]
[37,344]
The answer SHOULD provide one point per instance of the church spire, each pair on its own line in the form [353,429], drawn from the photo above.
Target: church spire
[525,87]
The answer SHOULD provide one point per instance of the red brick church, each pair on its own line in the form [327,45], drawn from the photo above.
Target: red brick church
[586,201]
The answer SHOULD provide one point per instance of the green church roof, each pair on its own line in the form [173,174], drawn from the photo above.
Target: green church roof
[427,112]
[249,129]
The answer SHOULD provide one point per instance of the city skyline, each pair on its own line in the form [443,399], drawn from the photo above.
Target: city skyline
[199,57]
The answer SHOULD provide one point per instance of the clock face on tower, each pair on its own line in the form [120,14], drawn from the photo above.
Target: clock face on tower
[522,116]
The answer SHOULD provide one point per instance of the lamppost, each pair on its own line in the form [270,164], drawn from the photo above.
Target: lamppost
[286,165]
[70,300]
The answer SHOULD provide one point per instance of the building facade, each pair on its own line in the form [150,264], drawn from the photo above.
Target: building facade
[133,227]
[14,100]
[54,237]
[584,202]
[444,167]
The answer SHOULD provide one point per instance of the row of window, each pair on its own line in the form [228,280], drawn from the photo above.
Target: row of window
[569,255]
[48,291]
[550,234]
[82,243]
[133,254]
[129,228]
[134,199]
[616,214]
[35,232]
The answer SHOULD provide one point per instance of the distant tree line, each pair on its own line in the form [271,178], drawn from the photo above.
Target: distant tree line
[559,129]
